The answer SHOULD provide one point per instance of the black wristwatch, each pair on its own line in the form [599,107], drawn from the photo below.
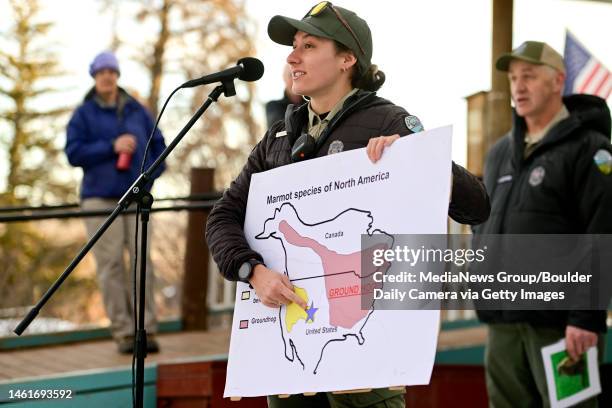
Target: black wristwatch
[246,269]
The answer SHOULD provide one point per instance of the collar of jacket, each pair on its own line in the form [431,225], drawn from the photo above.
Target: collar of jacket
[586,112]
[297,118]
[122,93]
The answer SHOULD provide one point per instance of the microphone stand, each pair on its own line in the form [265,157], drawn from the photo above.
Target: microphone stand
[136,193]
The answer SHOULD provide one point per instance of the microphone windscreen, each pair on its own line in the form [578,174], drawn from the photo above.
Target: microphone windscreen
[253,69]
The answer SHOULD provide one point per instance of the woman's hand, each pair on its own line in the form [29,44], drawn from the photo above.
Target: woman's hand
[125,143]
[376,146]
[274,289]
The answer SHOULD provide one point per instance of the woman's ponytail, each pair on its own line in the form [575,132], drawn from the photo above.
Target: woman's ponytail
[371,80]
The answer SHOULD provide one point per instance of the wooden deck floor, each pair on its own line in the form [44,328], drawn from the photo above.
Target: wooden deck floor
[450,339]
[99,355]
[175,347]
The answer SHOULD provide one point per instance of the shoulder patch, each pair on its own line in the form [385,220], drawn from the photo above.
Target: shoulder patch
[335,147]
[536,176]
[603,161]
[413,123]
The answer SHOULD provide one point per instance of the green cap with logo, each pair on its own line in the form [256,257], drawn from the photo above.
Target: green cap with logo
[535,52]
[328,21]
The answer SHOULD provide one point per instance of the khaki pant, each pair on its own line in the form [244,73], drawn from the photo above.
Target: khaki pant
[514,368]
[378,398]
[113,278]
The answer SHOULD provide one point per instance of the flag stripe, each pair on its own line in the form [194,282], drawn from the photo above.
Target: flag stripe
[606,93]
[601,84]
[595,81]
[581,76]
[589,78]
[584,73]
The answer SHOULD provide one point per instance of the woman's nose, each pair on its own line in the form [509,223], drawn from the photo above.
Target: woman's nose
[293,57]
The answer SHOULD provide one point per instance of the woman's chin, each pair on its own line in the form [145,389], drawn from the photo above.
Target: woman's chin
[300,90]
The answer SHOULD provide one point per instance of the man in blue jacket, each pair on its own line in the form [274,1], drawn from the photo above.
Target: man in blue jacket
[106,137]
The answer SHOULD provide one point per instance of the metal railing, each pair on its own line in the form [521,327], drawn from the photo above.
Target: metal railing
[63,211]
[220,294]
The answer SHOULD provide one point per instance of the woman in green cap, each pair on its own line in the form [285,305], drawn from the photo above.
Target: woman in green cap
[331,66]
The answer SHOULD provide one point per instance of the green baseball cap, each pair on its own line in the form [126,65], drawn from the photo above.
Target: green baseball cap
[535,52]
[328,21]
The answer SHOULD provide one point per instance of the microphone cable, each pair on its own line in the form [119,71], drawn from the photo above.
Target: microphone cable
[135,263]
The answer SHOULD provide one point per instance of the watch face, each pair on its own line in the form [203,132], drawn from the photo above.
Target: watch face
[244,271]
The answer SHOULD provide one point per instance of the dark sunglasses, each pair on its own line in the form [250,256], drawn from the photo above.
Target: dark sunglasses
[319,8]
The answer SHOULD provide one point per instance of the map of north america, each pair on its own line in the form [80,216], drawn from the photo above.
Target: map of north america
[324,260]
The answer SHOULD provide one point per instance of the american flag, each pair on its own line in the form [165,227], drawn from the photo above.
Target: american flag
[585,74]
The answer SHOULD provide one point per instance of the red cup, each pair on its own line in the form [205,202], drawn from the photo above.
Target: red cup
[124,160]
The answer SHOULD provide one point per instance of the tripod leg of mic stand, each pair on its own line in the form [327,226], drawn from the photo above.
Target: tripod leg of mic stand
[146,202]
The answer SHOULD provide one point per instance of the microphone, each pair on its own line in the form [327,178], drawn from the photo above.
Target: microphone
[247,69]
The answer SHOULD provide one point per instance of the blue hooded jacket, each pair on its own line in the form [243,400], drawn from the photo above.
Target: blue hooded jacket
[89,144]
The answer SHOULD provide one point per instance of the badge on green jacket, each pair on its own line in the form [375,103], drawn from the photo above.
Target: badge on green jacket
[603,161]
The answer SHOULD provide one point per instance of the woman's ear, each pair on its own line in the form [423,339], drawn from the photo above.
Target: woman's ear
[349,60]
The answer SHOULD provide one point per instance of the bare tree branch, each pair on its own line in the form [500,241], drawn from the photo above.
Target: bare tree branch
[223,33]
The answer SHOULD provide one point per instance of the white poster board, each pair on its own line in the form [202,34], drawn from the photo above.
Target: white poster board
[306,220]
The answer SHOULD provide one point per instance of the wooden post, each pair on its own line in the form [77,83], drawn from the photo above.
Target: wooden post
[194,308]
[477,105]
[489,112]
[499,115]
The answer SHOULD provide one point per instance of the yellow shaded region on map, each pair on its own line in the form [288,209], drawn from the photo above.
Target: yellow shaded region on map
[294,311]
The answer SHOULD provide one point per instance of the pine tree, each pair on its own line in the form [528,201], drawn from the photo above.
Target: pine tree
[32,257]
[28,67]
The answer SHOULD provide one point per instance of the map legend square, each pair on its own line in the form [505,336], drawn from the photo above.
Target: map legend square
[244,324]
[246,295]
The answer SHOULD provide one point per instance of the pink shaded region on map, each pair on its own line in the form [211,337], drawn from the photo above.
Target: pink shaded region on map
[343,283]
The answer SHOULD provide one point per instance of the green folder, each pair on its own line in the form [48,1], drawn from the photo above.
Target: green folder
[569,379]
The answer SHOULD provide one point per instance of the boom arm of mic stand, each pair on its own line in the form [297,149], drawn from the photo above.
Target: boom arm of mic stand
[138,188]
